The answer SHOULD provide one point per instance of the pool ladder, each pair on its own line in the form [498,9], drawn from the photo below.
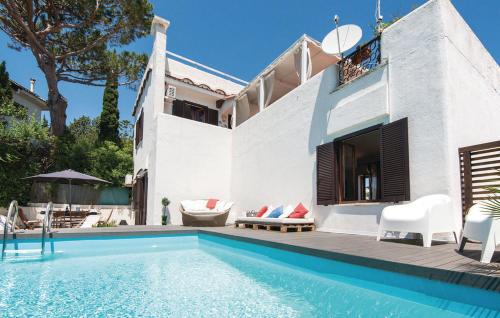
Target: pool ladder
[11,221]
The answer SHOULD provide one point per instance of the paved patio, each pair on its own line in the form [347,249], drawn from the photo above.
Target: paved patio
[441,261]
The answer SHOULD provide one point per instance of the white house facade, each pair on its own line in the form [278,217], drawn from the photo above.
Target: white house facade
[28,99]
[346,137]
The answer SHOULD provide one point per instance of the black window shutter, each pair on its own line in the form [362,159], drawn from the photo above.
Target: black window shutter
[139,129]
[186,110]
[394,161]
[326,177]
[213,117]
[178,108]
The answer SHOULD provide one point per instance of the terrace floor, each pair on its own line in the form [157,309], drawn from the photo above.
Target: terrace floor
[441,261]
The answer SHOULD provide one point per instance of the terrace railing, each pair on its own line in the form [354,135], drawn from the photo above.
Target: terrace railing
[365,58]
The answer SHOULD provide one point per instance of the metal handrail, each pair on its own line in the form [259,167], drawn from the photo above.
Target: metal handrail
[47,224]
[13,208]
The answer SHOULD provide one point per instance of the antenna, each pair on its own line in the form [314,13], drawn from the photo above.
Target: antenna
[378,17]
[336,20]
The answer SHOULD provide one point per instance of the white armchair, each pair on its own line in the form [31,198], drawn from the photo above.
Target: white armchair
[479,226]
[427,215]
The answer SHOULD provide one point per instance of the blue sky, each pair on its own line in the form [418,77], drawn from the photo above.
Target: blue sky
[242,37]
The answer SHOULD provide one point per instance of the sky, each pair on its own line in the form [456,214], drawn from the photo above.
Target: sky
[242,37]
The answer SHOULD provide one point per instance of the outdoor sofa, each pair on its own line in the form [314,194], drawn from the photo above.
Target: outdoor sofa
[284,222]
[196,213]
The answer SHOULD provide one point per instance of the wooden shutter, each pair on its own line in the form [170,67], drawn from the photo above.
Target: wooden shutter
[395,174]
[139,129]
[186,110]
[326,181]
[178,108]
[213,116]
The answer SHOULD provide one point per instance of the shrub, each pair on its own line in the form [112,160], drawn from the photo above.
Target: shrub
[25,150]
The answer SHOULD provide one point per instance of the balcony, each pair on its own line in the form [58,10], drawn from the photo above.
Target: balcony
[359,62]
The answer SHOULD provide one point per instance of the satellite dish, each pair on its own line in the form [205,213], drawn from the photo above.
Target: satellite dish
[346,36]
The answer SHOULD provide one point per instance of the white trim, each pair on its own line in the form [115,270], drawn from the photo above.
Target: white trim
[180,83]
[206,67]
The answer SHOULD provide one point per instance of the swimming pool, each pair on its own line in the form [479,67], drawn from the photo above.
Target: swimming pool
[204,275]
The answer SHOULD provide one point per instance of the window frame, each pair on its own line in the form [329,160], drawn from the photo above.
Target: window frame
[139,129]
[337,144]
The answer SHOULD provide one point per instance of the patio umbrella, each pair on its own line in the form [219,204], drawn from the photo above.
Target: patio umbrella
[69,176]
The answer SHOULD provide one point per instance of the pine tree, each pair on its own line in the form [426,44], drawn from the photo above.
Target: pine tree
[110,117]
[5,88]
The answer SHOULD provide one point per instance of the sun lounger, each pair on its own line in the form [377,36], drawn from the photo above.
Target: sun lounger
[28,224]
[90,221]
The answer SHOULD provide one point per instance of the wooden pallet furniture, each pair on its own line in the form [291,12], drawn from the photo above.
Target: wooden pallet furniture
[268,225]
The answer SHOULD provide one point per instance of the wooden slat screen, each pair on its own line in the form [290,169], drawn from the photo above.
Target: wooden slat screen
[326,185]
[394,161]
[479,168]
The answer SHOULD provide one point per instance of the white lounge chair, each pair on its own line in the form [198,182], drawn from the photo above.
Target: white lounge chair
[427,215]
[479,226]
[90,221]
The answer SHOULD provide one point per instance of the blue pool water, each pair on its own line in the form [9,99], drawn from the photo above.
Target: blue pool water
[209,276]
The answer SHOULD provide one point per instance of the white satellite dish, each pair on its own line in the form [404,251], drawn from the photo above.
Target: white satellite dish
[346,36]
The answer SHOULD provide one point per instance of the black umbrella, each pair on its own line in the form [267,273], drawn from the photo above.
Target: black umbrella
[70,176]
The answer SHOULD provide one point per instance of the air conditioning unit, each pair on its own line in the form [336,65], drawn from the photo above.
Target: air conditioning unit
[170,92]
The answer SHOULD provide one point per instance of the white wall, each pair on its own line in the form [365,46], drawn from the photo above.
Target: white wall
[429,74]
[274,152]
[473,99]
[192,162]
[32,106]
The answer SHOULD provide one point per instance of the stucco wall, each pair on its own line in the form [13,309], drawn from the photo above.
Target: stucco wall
[428,74]
[473,91]
[274,152]
[192,162]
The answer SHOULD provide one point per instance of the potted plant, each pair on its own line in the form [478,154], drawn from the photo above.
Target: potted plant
[164,217]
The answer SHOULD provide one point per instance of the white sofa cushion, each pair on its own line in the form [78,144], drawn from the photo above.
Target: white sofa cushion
[270,209]
[286,212]
[275,220]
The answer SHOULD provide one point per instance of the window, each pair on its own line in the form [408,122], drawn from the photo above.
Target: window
[359,167]
[139,129]
[195,112]
[368,165]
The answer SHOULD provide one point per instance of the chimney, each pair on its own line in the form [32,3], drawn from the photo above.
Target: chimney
[32,85]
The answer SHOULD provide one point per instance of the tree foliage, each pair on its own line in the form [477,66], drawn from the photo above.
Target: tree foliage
[8,108]
[74,41]
[25,150]
[110,116]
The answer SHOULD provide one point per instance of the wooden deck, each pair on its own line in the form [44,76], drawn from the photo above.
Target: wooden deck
[441,261]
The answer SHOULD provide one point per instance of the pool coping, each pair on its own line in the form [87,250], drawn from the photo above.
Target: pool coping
[490,283]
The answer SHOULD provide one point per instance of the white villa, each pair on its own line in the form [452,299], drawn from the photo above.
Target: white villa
[346,137]
[27,98]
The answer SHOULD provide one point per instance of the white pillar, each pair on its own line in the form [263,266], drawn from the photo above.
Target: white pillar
[233,116]
[261,94]
[303,62]
[157,62]
[158,58]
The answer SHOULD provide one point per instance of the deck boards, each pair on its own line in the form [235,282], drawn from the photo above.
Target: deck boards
[407,256]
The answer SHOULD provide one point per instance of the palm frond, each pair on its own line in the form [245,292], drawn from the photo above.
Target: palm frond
[492,204]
